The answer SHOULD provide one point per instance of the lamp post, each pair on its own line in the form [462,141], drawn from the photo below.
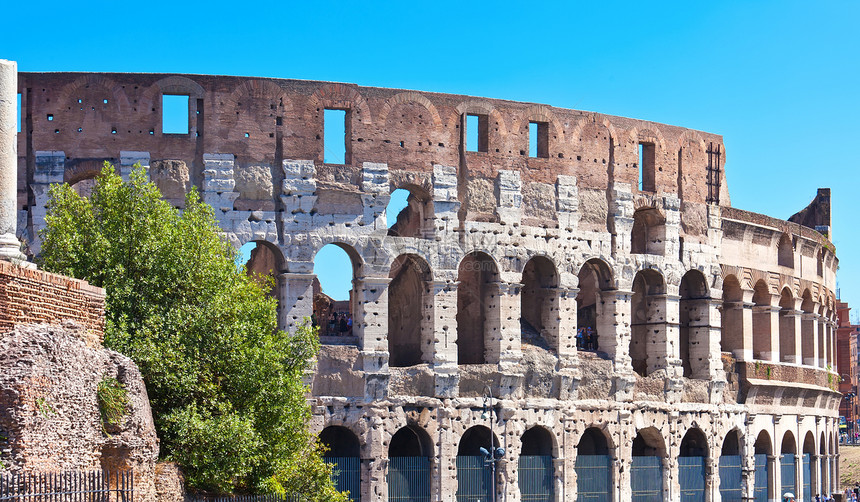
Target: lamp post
[495,453]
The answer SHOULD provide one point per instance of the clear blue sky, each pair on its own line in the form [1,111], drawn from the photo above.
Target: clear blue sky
[778,79]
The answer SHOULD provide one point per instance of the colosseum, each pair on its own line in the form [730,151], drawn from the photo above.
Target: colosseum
[568,308]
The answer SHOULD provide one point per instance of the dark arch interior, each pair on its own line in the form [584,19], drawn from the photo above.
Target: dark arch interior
[788,443]
[477,274]
[809,443]
[694,444]
[409,275]
[762,443]
[410,441]
[536,441]
[731,444]
[340,441]
[648,443]
[473,440]
[538,277]
[592,442]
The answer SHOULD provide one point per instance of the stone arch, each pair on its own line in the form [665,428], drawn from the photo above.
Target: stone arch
[785,252]
[481,107]
[409,97]
[254,98]
[470,460]
[788,445]
[762,344]
[788,453]
[694,443]
[642,172]
[337,96]
[411,441]
[337,317]
[764,467]
[418,217]
[648,469]
[807,329]
[648,322]
[593,466]
[478,322]
[410,320]
[594,278]
[538,300]
[340,441]
[691,464]
[648,234]
[538,441]
[267,261]
[97,88]
[649,442]
[787,334]
[732,315]
[475,438]
[592,143]
[694,328]
[732,443]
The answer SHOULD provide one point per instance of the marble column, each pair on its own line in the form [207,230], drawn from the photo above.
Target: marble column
[10,247]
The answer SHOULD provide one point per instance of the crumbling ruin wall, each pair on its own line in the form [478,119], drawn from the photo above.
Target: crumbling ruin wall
[51,419]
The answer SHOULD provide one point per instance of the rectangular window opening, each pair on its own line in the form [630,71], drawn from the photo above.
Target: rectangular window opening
[477,132]
[538,139]
[174,114]
[19,112]
[647,167]
[334,136]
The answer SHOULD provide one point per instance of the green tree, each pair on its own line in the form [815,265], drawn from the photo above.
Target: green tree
[225,386]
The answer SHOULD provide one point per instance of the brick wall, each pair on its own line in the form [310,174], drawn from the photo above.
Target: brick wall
[29,296]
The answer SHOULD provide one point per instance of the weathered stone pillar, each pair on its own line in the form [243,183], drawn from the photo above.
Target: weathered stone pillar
[10,247]
[370,325]
[295,299]
[662,329]
[444,299]
[808,334]
[127,161]
[613,337]
[568,356]
[509,340]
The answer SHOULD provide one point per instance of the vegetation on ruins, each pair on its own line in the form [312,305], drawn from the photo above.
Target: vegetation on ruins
[225,386]
[113,401]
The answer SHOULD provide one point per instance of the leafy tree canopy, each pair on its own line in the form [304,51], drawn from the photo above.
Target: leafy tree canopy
[225,386]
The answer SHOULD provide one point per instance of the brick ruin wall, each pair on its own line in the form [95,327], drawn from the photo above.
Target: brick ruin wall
[711,320]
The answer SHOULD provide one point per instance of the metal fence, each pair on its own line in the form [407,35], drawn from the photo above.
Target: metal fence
[77,486]
[593,478]
[346,474]
[761,478]
[691,475]
[788,470]
[247,498]
[646,479]
[535,478]
[409,479]
[731,478]
[807,477]
[473,479]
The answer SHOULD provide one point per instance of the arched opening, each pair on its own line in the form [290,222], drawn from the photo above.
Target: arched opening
[410,323]
[785,252]
[762,347]
[648,235]
[474,477]
[732,318]
[648,322]
[731,468]
[807,329]
[409,460]
[646,472]
[535,479]
[264,260]
[810,484]
[822,336]
[694,328]
[84,187]
[595,277]
[336,267]
[788,464]
[343,454]
[478,319]
[691,466]
[410,213]
[763,488]
[593,466]
[538,306]
[787,341]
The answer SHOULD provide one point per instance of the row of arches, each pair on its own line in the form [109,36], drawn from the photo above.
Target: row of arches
[599,467]
[658,321]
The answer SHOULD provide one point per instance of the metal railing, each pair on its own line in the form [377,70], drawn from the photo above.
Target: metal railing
[473,479]
[536,478]
[77,486]
[646,479]
[691,474]
[246,498]
[731,478]
[593,478]
[409,479]
[346,474]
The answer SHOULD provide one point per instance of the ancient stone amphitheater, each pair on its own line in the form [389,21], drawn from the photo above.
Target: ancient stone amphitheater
[708,375]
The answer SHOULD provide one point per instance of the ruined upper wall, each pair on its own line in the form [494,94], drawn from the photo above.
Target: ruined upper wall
[93,116]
